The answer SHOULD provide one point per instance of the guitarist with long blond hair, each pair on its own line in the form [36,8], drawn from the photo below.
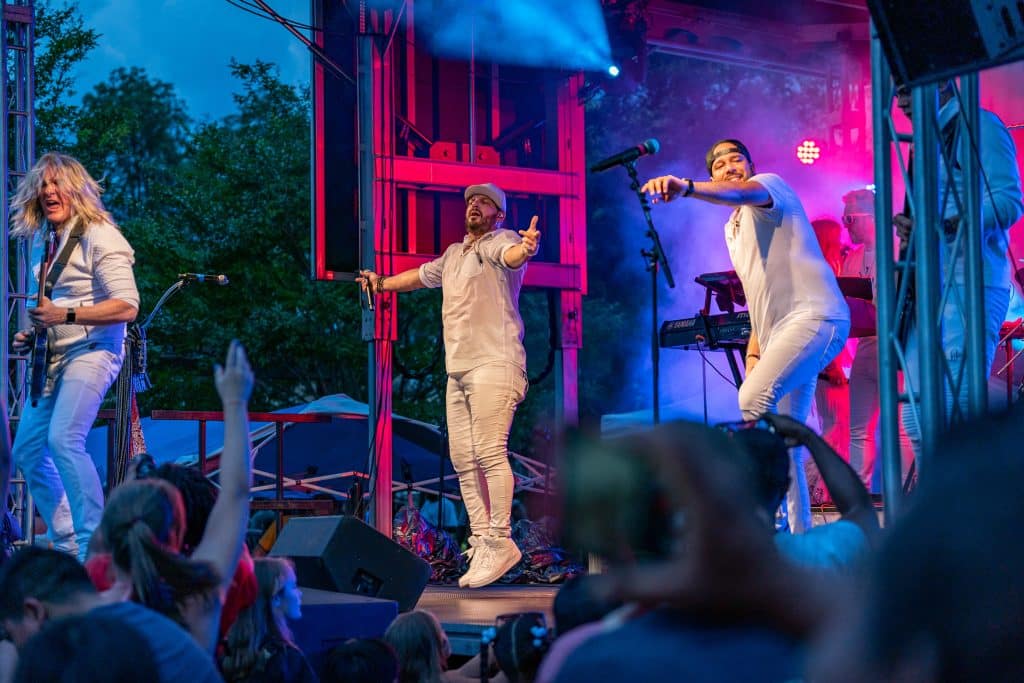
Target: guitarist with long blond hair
[89,297]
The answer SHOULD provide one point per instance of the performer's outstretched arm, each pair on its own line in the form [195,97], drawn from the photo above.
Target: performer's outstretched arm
[729,192]
[406,281]
[525,250]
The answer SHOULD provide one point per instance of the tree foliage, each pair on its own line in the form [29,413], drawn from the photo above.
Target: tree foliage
[62,41]
[131,132]
[238,203]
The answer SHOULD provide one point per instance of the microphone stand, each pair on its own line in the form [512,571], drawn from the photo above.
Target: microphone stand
[654,260]
[133,380]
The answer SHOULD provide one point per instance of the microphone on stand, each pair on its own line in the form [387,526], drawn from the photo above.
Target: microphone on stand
[205,277]
[650,146]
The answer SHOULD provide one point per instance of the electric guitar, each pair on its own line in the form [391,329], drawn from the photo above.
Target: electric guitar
[40,347]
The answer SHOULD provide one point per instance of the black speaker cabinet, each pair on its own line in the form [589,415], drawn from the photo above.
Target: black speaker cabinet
[927,41]
[343,554]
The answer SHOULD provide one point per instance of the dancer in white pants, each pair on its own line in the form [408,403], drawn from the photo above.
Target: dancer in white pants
[798,317]
[480,278]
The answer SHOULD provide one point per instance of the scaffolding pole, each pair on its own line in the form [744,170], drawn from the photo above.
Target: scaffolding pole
[943,260]
[17,146]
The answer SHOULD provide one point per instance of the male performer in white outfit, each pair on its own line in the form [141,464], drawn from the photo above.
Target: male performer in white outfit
[798,317]
[480,278]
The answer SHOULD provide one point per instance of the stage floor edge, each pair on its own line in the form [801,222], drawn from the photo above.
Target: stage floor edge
[465,612]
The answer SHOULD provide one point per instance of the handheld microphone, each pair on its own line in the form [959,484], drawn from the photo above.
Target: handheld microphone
[650,146]
[367,292]
[204,277]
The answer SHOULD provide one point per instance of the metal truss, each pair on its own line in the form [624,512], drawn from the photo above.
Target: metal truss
[934,253]
[17,142]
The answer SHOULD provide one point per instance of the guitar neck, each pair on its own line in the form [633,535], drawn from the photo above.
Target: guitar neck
[44,266]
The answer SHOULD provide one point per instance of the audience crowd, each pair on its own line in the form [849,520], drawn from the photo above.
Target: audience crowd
[696,585]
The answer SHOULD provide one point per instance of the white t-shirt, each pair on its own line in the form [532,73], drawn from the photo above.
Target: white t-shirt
[778,260]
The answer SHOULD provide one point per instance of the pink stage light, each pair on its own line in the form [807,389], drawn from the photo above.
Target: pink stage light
[808,152]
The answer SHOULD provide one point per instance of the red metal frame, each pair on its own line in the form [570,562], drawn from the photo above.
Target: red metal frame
[278,503]
[320,271]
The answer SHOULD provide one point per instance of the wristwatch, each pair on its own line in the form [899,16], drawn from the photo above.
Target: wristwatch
[69,319]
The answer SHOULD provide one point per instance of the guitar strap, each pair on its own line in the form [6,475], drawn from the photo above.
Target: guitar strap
[62,259]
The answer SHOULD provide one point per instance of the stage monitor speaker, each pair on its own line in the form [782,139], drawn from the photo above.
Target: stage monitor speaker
[343,554]
[927,41]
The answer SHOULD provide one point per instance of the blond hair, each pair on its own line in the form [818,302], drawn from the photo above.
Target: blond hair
[80,189]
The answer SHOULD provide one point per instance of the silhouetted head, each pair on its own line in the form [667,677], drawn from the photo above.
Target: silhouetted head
[87,649]
[36,584]
[361,660]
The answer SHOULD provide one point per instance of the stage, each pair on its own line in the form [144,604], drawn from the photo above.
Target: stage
[465,612]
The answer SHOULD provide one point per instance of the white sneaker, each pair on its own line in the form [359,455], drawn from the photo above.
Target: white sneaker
[475,543]
[499,554]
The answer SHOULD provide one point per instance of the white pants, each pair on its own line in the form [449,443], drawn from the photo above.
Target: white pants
[997,301]
[481,404]
[783,381]
[50,447]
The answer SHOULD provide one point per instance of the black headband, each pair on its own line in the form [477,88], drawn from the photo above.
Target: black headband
[730,150]
[735,147]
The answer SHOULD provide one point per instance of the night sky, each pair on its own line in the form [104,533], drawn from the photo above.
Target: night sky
[189,43]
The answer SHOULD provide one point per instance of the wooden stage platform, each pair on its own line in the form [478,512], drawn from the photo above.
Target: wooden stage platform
[465,612]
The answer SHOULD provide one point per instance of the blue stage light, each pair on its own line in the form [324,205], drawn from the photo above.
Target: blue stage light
[613,71]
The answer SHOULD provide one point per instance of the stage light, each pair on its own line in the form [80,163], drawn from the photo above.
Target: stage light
[613,71]
[808,152]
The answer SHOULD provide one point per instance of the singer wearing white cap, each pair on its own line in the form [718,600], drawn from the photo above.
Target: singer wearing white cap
[799,320]
[84,316]
[480,278]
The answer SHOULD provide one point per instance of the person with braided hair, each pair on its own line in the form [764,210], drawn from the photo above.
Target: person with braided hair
[144,525]
[520,645]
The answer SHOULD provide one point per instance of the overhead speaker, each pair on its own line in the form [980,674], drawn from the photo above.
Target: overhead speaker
[344,554]
[927,41]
